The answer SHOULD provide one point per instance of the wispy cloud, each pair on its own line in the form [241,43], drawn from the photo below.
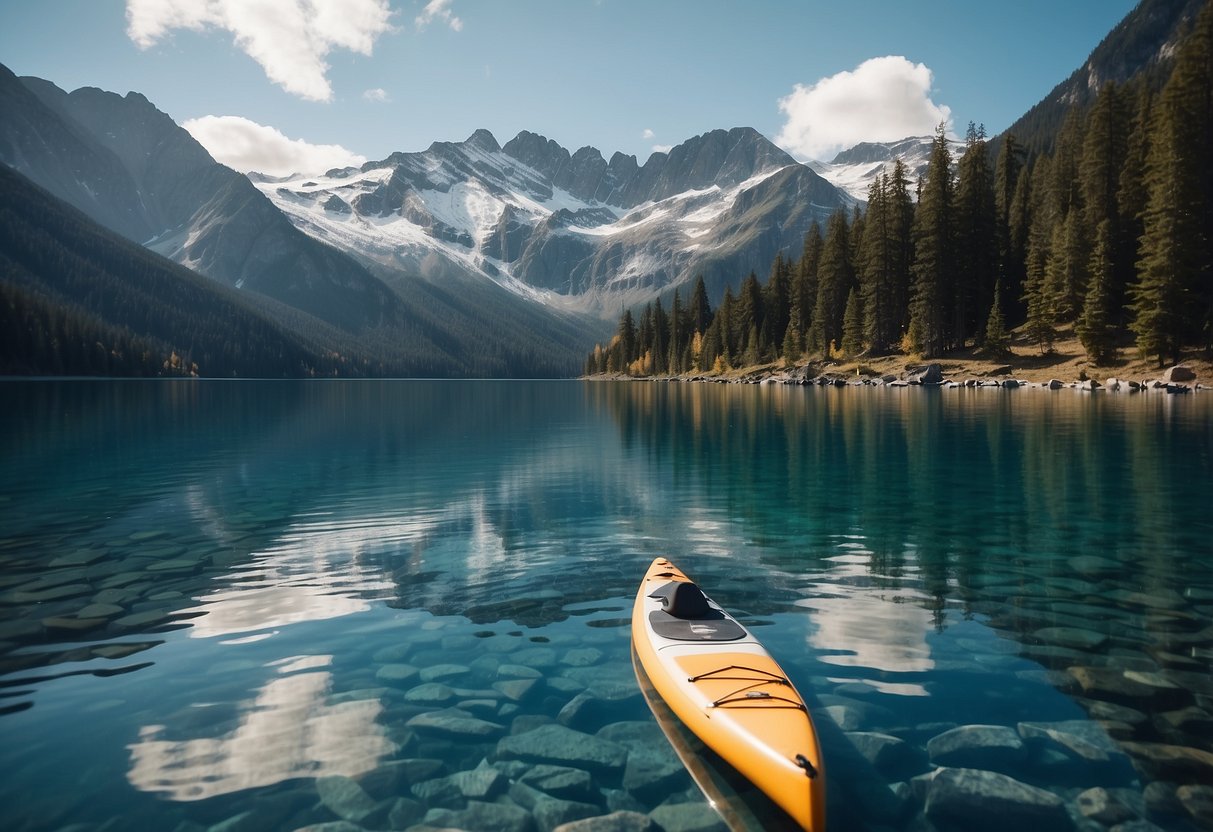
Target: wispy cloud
[662,148]
[377,95]
[882,99]
[246,146]
[438,10]
[290,39]
[647,134]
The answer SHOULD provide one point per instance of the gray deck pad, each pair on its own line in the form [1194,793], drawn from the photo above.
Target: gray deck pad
[711,626]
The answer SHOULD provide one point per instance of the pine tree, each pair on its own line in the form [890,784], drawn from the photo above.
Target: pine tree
[644,333]
[804,284]
[1067,268]
[661,339]
[1173,298]
[713,346]
[835,279]
[723,321]
[995,342]
[1040,307]
[776,304]
[747,320]
[976,238]
[852,325]
[1095,328]
[901,212]
[1104,153]
[1019,223]
[933,270]
[699,311]
[792,349]
[677,340]
[1006,179]
[875,270]
[626,343]
[1065,185]
[1132,194]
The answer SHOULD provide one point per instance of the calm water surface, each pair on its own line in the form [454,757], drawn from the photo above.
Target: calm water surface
[260,605]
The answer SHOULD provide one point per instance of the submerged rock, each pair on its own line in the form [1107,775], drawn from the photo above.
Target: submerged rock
[455,723]
[1108,683]
[1180,763]
[563,782]
[558,745]
[431,693]
[396,674]
[482,817]
[1074,637]
[885,752]
[961,798]
[688,817]
[624,821]
[1078,739]
[994,747]
[344,797]
[1098,804]
[1198,801]
[552,812]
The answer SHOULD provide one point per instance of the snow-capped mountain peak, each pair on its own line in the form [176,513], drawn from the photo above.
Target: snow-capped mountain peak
[853,170]
[569,229]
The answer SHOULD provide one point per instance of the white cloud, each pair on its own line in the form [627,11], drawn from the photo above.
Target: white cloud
[882,99]
[662,148]
[288,38]
[647,134]
[245,146]
[438,10]
[378,95]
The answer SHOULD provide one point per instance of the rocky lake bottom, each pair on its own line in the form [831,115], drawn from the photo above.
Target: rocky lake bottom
[378,606]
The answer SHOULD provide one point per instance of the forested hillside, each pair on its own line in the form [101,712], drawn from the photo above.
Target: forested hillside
[76,299]
[1137,49]
[1111,233]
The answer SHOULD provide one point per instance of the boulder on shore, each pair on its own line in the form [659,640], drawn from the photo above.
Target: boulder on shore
[1179,373]
[930,374]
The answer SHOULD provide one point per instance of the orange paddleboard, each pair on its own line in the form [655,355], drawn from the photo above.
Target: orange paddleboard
[726,688]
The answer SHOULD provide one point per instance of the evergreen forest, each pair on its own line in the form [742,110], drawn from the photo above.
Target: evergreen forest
[1110,234]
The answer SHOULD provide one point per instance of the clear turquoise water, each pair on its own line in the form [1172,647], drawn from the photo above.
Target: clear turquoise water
[220,598]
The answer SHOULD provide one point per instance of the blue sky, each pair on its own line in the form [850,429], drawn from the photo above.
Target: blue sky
[308,82]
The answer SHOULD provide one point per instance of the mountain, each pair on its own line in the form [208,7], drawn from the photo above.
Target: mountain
[855,169]
[570,231]
[79,299]
[129,167]
[1142,44]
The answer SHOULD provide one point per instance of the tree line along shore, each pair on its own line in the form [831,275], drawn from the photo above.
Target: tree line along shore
[1105,242]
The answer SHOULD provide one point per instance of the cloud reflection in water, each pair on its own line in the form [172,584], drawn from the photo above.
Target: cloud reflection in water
[857,625]
[286,731]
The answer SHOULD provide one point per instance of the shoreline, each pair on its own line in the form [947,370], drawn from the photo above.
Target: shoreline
[1064,368]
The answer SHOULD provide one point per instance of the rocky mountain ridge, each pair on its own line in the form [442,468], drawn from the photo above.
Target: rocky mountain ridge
[570,230]
[130,167]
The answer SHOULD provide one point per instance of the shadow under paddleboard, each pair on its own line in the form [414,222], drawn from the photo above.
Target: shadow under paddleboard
[739,803]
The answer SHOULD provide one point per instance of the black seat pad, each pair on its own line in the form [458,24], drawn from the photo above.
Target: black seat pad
[687,615]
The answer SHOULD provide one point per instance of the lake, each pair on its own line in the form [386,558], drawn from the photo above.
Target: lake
[271,605]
